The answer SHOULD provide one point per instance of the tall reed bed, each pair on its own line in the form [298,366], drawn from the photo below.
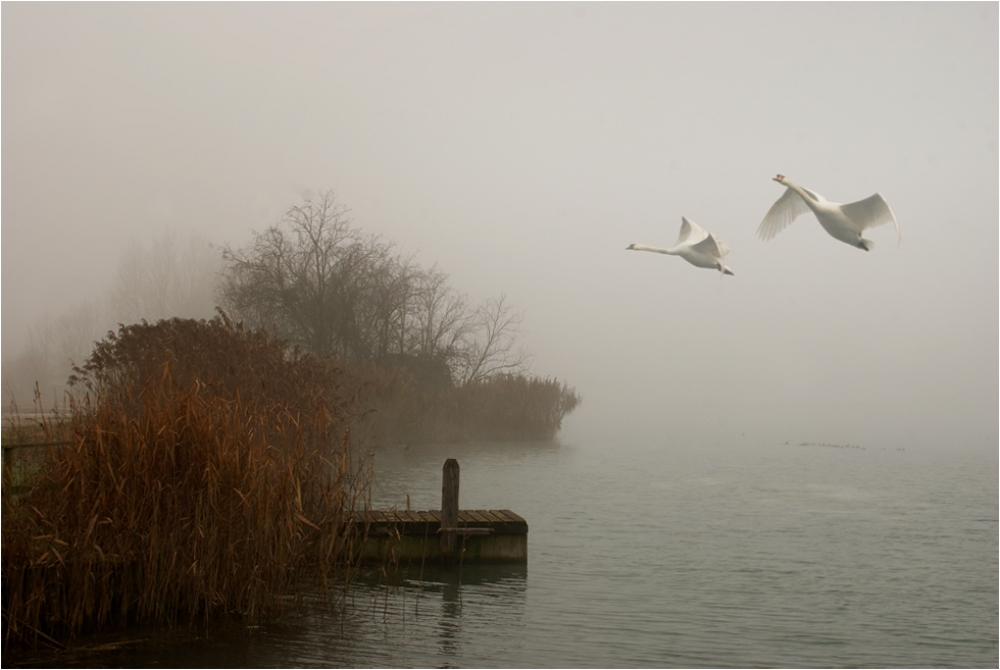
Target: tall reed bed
[36,426]
[512,407]
[501,407]
[209,468]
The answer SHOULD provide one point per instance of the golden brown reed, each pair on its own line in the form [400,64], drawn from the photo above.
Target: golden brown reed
[210,467]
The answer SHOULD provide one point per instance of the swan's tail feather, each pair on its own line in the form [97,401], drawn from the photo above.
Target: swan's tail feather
[867,245]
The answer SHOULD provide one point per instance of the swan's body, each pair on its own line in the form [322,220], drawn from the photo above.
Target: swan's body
[844,222]
[695,245]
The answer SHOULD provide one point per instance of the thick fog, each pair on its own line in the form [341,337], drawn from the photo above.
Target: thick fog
[522,148]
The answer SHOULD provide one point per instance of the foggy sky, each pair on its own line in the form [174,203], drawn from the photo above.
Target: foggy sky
[521,148]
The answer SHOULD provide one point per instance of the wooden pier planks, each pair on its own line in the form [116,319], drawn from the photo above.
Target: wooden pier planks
[451,534]
[408,522]
[482,536]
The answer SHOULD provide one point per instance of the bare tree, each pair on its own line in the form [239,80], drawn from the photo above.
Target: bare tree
[326,286]
[441,321]
[55,344]
[319,283]
[492,349]
[171,278]
[288,281]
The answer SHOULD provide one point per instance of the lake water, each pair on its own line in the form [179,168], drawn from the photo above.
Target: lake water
[646,555]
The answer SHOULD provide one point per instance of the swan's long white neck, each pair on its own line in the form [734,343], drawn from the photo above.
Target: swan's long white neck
[811,201]
[655,250]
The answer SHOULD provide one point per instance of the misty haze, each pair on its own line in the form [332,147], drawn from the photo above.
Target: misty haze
[413,224]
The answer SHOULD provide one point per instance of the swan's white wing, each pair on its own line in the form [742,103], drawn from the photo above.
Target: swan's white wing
[711,246]
[871,212]
[786,209]
[691,232]
[723,249]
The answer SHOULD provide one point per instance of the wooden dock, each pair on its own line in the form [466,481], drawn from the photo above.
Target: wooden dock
[449,535]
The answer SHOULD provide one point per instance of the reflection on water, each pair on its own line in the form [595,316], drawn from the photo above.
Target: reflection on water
[422,612]
[434,613]
[654,556]
[504,585]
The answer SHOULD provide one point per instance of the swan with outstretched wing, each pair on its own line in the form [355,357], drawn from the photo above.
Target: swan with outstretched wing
[695,245]
[844,222]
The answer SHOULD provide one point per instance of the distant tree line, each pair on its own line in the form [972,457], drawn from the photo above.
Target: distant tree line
[172,276]
[338,292]
[432,364]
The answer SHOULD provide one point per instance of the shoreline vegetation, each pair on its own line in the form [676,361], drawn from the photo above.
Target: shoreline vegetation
[208,467]
[205,467]
[431,363]
[211,466]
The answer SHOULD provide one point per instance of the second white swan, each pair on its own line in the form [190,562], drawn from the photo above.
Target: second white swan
[695,245]
[844,222]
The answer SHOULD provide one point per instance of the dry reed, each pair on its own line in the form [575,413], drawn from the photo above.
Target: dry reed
[209,468]
[501,407]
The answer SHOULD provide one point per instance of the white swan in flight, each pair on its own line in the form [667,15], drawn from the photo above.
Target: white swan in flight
[695,245]
[844,222]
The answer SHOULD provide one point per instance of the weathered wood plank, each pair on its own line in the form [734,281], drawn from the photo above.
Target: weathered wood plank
[485,535]
[513,517]
[417,521]
[476,517]
[490,516]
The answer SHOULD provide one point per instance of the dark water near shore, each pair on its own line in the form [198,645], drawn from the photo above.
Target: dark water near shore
[645,555]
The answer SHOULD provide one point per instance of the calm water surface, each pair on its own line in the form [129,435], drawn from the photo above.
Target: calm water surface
[647,555]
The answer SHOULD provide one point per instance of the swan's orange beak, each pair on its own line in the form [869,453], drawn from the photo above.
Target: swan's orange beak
[779,177]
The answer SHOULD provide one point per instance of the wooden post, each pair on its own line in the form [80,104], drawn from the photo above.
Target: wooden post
[8,467]
[449,508]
